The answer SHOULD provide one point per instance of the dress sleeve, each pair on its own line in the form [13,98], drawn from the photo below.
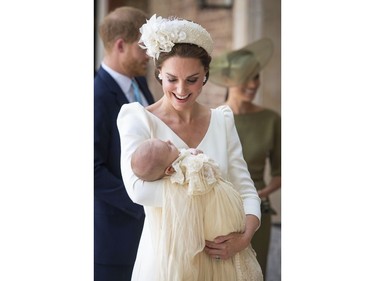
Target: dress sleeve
[275,153]
[134,127]
[238,172]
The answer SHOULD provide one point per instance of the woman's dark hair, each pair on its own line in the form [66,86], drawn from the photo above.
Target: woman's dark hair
[184,50]
[226,95]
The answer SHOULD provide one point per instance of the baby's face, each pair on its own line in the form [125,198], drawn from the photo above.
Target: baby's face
[168,149]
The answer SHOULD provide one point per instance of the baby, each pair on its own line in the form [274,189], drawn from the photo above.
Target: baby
[153,159]
[198,205]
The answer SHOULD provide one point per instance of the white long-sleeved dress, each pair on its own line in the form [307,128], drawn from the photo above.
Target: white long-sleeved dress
[220,143]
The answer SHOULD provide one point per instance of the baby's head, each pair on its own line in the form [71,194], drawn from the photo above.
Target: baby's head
[153,158]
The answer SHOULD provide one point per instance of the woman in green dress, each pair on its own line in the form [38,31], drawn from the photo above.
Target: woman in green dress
[259,128]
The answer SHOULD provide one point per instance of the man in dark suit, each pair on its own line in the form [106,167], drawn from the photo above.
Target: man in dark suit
[118,222]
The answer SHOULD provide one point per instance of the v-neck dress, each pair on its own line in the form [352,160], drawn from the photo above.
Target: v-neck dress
[221,143]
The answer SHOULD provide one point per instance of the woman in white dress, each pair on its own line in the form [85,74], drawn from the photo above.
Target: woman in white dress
[181,50]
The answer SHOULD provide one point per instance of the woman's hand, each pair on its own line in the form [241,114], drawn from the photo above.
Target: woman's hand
[226,246]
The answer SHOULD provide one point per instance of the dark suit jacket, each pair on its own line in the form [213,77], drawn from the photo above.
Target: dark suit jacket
[118,222]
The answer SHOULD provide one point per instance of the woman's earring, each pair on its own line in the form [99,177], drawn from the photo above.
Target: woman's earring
[204,79]
[159,76]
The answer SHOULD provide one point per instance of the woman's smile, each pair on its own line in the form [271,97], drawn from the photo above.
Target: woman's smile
[181,97]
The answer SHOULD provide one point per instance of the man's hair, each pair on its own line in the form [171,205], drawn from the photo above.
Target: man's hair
[124,23]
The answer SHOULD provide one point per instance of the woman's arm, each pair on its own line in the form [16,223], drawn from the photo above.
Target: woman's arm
[227,246]
[274,185]
[134,127]
[275,160]
[238,172]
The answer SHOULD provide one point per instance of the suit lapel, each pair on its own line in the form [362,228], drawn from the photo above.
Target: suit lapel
[113,86]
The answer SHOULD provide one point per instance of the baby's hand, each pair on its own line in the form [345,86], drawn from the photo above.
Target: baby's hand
[195,151]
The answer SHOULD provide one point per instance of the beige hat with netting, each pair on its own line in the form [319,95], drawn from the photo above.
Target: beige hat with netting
[236,67]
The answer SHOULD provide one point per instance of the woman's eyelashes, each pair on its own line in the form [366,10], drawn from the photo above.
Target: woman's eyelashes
[191,81]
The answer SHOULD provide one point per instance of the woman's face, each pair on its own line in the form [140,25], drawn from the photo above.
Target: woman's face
[248,90]
[182,80]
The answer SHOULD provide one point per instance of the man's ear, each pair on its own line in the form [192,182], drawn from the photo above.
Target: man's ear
[120,45]
[169,171]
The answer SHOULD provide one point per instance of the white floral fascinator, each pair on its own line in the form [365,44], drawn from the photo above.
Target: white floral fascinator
[160,35]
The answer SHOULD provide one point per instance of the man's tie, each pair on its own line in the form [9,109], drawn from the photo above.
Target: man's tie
[136,92]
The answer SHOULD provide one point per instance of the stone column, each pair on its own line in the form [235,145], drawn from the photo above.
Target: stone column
[101,11]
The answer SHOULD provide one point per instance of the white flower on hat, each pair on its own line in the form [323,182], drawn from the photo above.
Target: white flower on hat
[160,35]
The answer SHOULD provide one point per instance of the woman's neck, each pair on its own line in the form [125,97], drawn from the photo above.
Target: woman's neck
[165,111]
[242,107]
